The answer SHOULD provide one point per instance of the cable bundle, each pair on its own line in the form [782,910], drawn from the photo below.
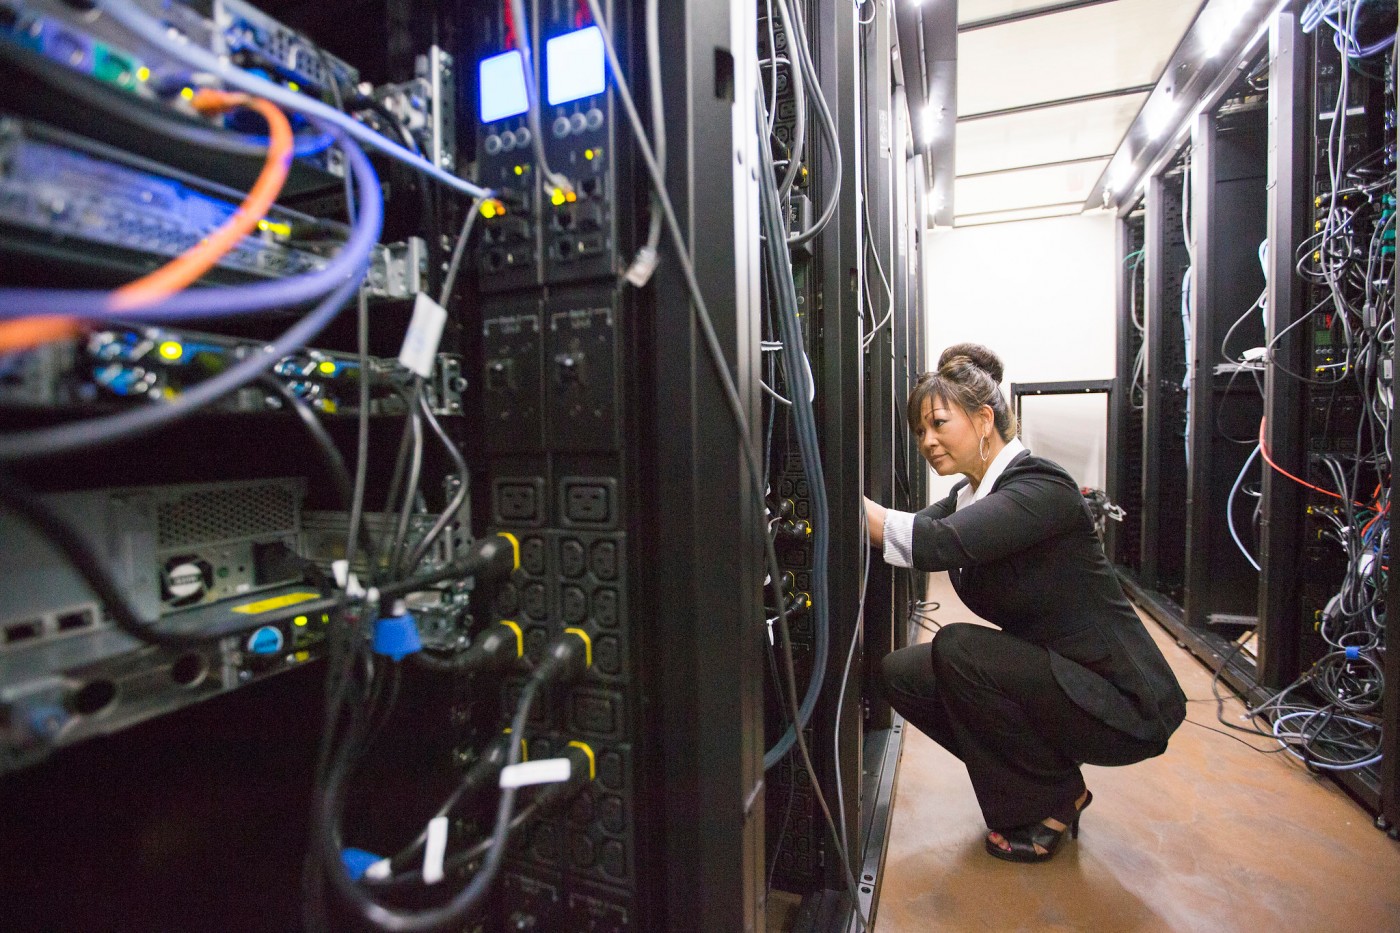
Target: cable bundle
[1329,717]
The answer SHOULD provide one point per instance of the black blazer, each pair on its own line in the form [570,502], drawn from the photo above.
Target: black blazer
[1026,558]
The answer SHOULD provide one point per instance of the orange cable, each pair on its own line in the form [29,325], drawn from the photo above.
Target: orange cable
[185,269]
[1264,449]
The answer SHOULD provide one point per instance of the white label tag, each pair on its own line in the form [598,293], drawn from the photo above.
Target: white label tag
[420,344]
[434,850]
[545,771]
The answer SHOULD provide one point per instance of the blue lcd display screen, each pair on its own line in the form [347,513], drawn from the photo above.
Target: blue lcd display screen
[502,83]
[574,65]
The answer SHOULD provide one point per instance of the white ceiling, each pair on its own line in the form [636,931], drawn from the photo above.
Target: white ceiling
[1046,159]
[1035,137]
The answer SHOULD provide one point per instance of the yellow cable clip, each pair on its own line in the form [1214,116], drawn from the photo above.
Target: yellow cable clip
[592,761]
[519,637]
[514,543]
[587,644]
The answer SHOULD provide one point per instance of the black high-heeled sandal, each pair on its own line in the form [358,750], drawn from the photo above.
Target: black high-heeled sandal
[1025,839]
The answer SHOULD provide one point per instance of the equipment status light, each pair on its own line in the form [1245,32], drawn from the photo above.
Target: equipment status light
[172,350]
[327,367]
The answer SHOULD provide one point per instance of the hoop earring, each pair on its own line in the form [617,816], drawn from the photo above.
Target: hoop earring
[984,448]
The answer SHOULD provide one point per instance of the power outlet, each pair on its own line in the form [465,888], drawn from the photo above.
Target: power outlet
[519,501]
[588,501]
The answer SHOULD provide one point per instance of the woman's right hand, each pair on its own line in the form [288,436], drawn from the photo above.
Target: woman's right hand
[875,523]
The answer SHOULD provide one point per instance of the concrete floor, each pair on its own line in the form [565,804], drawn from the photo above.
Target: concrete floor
[1210,836]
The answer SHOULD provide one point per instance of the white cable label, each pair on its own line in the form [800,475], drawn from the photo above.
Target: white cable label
[434,850]
[545,771]
[379,870]
[420,344]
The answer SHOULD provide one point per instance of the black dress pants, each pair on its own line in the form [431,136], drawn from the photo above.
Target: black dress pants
[990,698]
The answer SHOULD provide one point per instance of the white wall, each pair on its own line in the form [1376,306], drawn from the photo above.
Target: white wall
[1040,293]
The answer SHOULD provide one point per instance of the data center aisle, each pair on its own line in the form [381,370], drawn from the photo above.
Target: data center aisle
[1209,837]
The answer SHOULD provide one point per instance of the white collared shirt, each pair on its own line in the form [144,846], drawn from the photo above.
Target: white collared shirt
[899,526]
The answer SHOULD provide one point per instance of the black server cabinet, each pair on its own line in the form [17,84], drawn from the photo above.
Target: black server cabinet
[1163,531]
[1390,711]
[800,848]
[1256,173]
[1123,540]
[879,191]
[1290,219]
[833,31]
[611,454]
[1228,209]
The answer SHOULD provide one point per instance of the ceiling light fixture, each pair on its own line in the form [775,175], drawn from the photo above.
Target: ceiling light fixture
[1220,22]
[1158,118]
[933,122]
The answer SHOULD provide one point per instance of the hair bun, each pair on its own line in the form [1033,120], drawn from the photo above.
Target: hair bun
[973,354]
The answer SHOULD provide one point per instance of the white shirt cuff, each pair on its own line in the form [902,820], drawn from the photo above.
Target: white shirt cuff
[899,538]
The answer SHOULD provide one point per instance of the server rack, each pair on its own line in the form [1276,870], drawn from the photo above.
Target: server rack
[597,437]
[879,190]
[1163,546]
[1290,213]
[1260,637]
[1123,482]
[1227,219]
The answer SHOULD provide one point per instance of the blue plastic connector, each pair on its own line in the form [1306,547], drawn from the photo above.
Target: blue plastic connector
[357,862]
[1353,654]
[397,636]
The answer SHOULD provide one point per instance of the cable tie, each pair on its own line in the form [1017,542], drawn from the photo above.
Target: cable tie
[420,344]
[529,773]
[434,850]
